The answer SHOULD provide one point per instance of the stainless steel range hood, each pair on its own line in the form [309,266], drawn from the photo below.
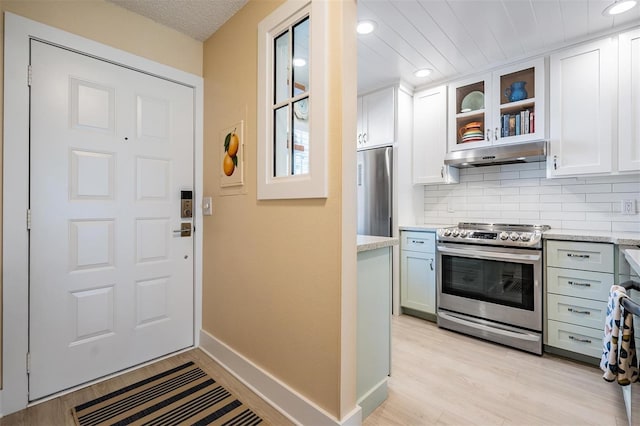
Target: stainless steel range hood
[529,152]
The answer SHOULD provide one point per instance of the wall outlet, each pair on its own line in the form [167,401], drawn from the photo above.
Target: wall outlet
[628,206]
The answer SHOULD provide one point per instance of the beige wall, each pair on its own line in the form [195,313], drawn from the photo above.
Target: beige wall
[111,25]
[272,269]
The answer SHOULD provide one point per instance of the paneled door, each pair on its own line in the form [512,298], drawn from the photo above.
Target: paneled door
[111,281]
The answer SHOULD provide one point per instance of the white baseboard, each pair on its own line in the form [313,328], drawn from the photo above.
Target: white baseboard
[290,403]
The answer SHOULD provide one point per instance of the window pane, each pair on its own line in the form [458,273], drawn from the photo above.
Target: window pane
[281,156]
[301,57]
[281,67]
[301,137]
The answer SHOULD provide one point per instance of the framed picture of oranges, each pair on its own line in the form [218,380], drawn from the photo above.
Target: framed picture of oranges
[232,155]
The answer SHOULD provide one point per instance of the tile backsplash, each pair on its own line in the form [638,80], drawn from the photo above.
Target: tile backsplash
[521,193]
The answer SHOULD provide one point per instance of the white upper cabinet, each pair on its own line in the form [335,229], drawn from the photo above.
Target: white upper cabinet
[430,138]
[506,106]
[629,102]
[376,119]
[582,89]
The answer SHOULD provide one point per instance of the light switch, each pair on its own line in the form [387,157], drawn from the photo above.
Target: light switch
[207,206]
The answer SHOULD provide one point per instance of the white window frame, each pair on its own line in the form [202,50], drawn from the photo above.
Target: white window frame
[313,184]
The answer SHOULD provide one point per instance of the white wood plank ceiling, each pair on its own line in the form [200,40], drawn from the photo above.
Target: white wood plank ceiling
[459,37]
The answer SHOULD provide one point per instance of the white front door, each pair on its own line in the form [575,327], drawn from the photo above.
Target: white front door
[111,283]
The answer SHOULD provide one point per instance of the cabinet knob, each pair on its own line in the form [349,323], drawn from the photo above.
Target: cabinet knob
[364,138]
[431,264]
[555,162]
[495,134]
[442,172]
[488,137]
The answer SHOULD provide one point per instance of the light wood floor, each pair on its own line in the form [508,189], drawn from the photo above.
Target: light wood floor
[438,378]
[445,378]
[58,411]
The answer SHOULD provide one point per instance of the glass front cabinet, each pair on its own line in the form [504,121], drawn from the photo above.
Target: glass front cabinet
[506,106]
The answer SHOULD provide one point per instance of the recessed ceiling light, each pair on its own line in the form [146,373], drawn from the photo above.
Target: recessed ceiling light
[366,27]
[424,72]
[299,62]
[619,6]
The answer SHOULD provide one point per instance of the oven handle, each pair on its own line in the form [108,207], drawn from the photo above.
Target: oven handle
[480,254]
[517,335]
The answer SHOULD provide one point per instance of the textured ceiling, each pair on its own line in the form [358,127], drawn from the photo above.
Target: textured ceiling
[195,18]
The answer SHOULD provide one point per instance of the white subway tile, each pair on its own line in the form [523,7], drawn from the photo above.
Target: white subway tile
[593,226]
[501,206]
[613,179]
[562,198]
[471,178]
[541,190]
[501,191]
[520,182]
[520,215]
[625,226]
[543,207]
[501,175]
[560,181]
[533,174]
[612,197]
[575,216]
[473,186]
[586,207]
[627,187]
[586,189]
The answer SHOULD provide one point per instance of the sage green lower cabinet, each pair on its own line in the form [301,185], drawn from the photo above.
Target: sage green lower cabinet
[418,274]
[579,276]
[374,328]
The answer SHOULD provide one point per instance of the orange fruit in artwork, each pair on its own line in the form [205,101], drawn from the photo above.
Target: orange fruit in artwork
[234,143]
[228,165]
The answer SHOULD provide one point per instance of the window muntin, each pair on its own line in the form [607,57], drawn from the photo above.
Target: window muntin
[291,138]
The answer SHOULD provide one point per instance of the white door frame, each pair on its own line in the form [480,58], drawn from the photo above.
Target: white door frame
[15,252]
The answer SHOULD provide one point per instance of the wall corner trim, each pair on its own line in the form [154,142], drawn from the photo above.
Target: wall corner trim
[290,403]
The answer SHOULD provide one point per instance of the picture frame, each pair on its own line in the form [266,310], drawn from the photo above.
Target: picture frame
[231,160]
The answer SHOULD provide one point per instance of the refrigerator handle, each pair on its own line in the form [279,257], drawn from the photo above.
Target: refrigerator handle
[390,226]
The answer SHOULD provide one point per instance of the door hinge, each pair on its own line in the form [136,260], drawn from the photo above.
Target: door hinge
[28,219]
[29,75]
[28,362]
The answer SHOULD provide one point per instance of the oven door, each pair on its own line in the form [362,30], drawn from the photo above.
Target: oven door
[493,283]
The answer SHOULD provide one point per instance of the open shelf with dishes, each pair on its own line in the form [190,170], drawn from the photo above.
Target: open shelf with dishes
[506,106]
[470,112]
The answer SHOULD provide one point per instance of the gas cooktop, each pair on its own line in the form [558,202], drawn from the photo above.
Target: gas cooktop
[495,234]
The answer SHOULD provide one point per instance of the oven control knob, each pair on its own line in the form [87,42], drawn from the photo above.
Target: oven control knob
[504,235]
[455,233]
[514,236]
[447,232]
[463,233]
[525,236]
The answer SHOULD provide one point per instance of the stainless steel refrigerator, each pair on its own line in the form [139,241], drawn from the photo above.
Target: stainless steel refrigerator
[374,185]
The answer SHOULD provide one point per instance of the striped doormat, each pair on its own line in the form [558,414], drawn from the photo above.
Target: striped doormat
[182,395]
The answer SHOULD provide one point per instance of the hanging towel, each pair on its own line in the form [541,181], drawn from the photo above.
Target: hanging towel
[619,359]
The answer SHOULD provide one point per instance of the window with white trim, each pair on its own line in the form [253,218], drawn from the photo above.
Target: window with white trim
[291,120]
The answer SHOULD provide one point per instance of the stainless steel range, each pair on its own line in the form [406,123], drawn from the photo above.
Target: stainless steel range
[490,282]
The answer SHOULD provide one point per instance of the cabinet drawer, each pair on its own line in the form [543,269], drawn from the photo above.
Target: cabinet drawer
[418,241]
[582,256]
[575,338]
[586,284]
[574,310]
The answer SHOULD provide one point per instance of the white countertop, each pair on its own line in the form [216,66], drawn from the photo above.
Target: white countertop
[430,227]
[633,257]
[370,242]
[621,238]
